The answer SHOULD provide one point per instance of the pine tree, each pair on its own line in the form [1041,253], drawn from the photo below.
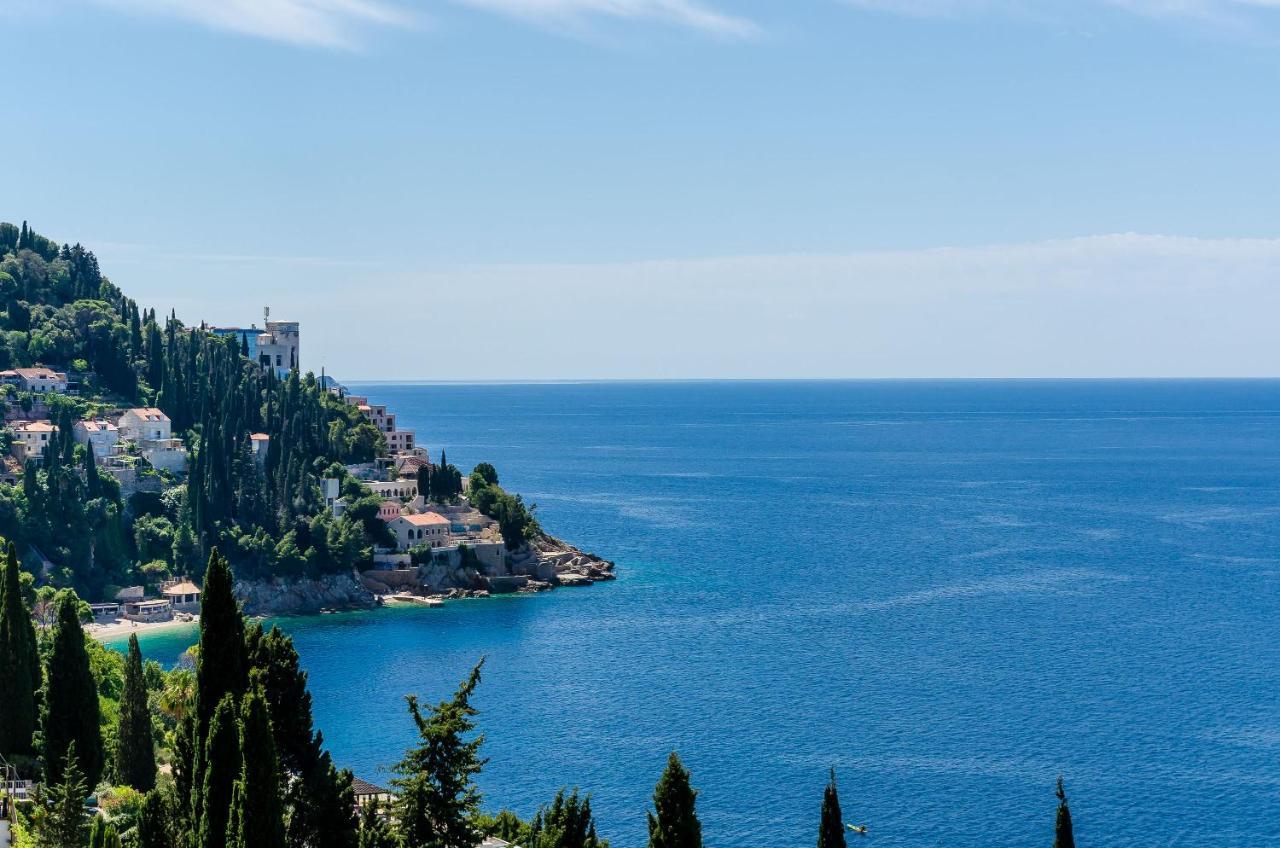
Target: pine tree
[1063,837]
[221,769]
[374,830]
[71,698]
[831,830]
[257,812]
[64,823]
[20,676]
[153,822]
[135,747]
[102,834]
[674,821]
[438,799]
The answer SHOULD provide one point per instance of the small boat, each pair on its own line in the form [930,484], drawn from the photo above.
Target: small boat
[860,829]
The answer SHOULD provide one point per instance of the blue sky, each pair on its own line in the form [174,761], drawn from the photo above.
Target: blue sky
[670,188]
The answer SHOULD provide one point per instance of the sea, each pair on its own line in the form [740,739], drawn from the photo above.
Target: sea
[949,592]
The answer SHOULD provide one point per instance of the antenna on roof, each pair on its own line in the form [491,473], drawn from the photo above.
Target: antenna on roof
[266,314]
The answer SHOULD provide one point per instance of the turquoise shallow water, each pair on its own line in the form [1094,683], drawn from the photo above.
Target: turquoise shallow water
[951,591]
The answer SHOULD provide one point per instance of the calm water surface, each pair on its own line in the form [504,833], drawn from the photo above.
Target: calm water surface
[950,591]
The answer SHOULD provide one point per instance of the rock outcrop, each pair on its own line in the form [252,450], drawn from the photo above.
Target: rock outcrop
[299,597]
[567,565]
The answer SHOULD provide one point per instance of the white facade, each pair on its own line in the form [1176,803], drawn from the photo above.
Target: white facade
[425,528]
[278,347]
[144,424]
[395,489]
[41,380]
[166,454]
[100,435]
[30,439]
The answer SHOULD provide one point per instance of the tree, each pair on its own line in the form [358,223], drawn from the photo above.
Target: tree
[71,698]
[831,829]
[439,800]
[1063,837]
[135,747]
[374,830]
[222,767]
[674,821]
[20,675]
[257,817]
[153,822]
[64,822]
[102,834]
[487,473]
[566,823]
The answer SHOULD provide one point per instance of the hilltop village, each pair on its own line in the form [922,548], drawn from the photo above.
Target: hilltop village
[318,496]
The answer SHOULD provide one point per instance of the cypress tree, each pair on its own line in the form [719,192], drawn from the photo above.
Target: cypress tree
[102,834]
[221,769]
[831,830]
[153,822]
[20,676]
[257,818]
[135,747]
[1063,837]
[438,799]
[64,822]
[674,821]
[71,698]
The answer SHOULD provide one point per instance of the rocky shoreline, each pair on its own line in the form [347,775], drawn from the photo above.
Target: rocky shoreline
[544,564]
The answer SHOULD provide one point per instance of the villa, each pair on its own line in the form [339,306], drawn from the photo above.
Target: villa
[157,610]
[29,440]
[144,424]
[37,380]
[99,434]
[181,594]
[406,489]
[424,528]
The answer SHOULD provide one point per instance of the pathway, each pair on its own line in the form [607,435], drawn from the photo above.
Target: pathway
[4,834]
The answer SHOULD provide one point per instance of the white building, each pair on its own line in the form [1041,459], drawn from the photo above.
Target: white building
[99,434]
[278,347]
[30,439]
[258,443]
[424,528]
[41,380]
[406,489]
[166,454]
[145,424]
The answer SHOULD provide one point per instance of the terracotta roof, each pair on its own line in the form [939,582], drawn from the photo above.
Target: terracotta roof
[424,519]
[259,437]
[150,413]
[39,373]
[186,587]
[104,426]
[35,427]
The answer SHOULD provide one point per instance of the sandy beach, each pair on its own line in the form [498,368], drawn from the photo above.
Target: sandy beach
[107,630]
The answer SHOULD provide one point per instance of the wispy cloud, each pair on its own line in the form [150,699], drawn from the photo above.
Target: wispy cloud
[341,23]
[682,12]
[1229,12]
[322,23]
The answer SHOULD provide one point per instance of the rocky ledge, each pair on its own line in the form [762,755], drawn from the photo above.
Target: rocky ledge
[299,597]
[569,566]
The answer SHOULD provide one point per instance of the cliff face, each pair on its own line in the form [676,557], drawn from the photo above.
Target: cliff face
[297,597]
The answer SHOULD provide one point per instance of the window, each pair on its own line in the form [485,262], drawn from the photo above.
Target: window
[278,362]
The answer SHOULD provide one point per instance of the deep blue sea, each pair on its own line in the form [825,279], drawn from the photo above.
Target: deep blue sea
[949,591]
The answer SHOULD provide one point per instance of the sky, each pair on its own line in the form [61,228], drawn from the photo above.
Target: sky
[641,189]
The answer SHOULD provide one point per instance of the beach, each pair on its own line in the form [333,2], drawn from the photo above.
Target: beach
[105,630]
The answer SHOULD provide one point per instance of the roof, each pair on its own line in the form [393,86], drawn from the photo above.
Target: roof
[364,787]
[96,426]
[39,374]
[424,519]
[150,413]
[159,602]
[35,427]
[186,587]
[259,437]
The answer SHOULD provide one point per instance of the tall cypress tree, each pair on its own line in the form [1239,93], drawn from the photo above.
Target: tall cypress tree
[1063,837]
[374,830]
[674,821]
[831,829]
[257,817]
[135,747]
[222,768]
[71,698]
[20,676]
[438,799]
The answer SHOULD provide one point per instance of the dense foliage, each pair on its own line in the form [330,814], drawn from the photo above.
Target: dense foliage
[267,517]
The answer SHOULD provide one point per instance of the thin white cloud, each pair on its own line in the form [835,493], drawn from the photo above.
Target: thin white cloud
[341,23]
[682,12]
[1118,305]
[1222,11]
[321,23]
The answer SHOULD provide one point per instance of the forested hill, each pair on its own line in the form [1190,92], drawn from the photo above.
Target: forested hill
[60,311]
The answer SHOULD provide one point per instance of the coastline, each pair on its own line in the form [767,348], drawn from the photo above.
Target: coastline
[106,631]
